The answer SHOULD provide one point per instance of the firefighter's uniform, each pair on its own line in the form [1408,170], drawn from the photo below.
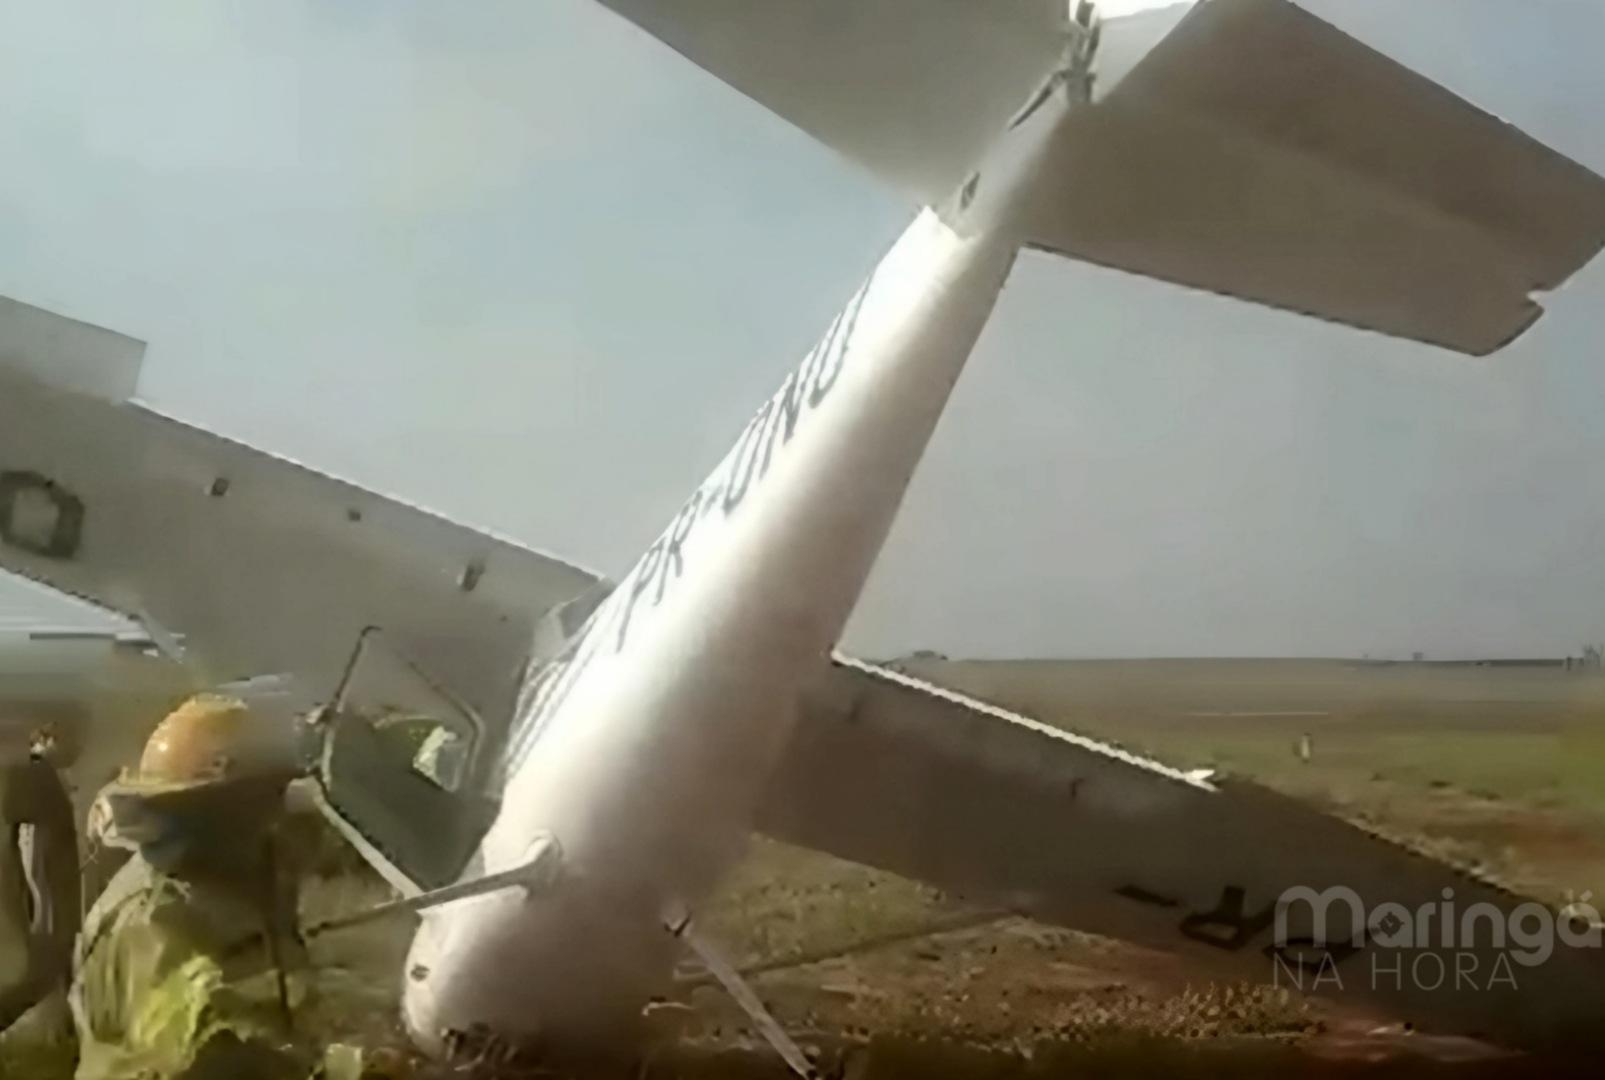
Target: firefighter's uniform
[188,964]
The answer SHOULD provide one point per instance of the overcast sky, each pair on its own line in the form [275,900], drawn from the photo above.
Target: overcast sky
[515,261]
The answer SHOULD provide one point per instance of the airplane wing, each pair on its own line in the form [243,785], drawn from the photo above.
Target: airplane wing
[900,774]
[258,564]
[1238,146]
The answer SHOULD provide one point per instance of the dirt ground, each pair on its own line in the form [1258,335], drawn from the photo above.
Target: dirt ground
[879,976]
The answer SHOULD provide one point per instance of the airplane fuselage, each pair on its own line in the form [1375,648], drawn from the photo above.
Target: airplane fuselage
[645,748]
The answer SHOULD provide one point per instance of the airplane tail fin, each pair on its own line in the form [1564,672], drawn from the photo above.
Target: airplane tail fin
[1262,153]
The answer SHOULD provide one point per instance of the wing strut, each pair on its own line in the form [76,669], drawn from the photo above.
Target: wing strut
[720,967]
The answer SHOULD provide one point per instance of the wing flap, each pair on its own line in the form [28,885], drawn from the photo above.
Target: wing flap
[899,774]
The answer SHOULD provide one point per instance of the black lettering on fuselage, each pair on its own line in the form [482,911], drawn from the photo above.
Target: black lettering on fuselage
[640,581]
[673,561]
[787,409]
[833,352]
[744,462]
[756,450]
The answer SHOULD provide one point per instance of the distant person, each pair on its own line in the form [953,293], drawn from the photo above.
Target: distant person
[39,889]
[189,964]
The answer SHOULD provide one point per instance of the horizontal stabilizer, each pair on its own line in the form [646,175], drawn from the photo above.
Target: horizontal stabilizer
[1259,152]
[1243,147]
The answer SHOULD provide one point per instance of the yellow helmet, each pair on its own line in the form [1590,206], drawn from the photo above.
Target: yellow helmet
[210,737]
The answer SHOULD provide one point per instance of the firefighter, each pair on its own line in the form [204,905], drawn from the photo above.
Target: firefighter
[189,964]
[39,890]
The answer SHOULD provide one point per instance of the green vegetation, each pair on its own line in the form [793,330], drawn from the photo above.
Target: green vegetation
[884,977]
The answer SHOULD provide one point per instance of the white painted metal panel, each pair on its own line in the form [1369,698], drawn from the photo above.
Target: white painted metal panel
[259,564]
[67,353]
[894,772]
[1247,148]
[1262,153]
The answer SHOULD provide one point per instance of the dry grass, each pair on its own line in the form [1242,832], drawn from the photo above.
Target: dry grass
[1505,767]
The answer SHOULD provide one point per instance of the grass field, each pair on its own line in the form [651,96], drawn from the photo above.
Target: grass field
[1501,766]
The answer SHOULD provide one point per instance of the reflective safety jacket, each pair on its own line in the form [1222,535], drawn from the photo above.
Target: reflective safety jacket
[176,979]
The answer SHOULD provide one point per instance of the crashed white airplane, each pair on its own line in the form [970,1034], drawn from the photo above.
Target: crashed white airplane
[627,742]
